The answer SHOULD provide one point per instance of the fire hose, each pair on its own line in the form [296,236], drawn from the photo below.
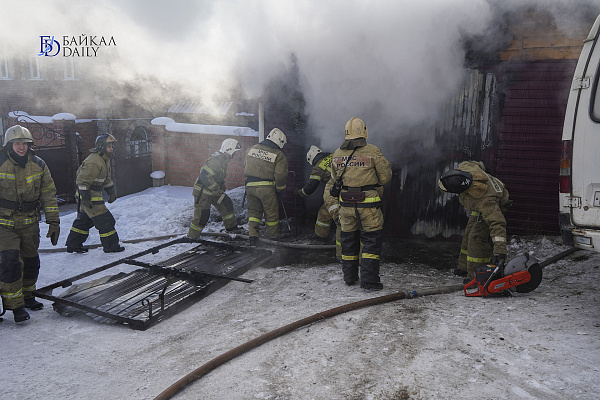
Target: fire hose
[231,354]
[254,343]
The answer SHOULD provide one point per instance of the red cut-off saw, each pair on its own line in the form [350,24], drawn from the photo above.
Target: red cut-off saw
[522,274]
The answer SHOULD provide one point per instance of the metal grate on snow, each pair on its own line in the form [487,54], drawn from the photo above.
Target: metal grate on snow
[147,295]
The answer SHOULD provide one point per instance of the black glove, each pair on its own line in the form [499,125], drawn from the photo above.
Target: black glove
[499,260]
[112,193]
[53,232]
[86,198]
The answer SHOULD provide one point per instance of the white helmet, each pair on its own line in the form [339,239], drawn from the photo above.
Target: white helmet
[17,132]
[355,128]
[312,153]
[230,146]
[278,137]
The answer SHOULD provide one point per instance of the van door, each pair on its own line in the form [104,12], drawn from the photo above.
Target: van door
[580,164]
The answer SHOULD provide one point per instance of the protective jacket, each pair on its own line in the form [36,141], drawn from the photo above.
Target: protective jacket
[366,171]
[487,200]
[211,180]
[321,172]
[266,165]
[26,191]
[94,174]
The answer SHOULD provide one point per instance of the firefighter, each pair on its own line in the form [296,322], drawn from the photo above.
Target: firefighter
[210,188]
[266,170]
[93,176]
[27,188]
[360,170]
[486,199]
[321,172]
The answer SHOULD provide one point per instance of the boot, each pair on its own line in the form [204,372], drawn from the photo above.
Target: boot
[459,272]
[368,286]
[254,241]
[76,250]
[20,314]
[117,249]
[33,304]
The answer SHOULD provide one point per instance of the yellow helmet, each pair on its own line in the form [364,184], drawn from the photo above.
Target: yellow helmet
[355,128]
[17,132]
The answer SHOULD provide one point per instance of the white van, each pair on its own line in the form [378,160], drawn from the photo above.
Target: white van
[579,192]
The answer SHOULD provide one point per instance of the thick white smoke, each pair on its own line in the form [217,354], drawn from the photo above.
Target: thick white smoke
[393,63]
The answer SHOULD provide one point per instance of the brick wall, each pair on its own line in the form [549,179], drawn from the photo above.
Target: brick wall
[181,155]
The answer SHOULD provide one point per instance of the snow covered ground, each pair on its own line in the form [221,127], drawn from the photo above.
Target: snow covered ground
[541,345]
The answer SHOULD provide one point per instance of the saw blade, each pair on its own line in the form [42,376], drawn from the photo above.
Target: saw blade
[536,278]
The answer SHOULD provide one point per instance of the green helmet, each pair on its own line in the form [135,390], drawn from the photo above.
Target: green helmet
[17,132]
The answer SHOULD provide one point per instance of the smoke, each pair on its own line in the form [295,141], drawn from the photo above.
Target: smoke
[394,64]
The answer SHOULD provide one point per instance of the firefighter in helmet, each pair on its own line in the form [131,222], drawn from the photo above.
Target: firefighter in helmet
[486,199]
[93,176]
[321,172]
[359,171]
[209,189]
[27,188]
[266,170]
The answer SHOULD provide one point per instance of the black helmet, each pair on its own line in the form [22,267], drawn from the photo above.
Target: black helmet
[103,140]
[455,181]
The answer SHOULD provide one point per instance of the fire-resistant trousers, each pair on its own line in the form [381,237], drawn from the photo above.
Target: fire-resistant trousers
[361,226]
[262,200]
[105,223]
[323,223]
[476,247]
[202,205]
[19,264]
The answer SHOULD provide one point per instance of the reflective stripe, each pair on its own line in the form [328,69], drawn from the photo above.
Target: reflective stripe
[498,239]
[475,213]
[108,233]
[48,188]
[261,183]
[15,295]
[228,216]
[315,177]
[349,258]
[272,223]
[34,177]
[477,260]
[338,243]
[50,209]
[303,192]
[323,224]
[371,256]
[101,180]
[463,251]
[280,188]
[367,200]
[29,288]
[4,175]
[28,221]
[333,207]
[213,186]
[252,219]
[196,227]
[80,231]
[7,222]
[207,169]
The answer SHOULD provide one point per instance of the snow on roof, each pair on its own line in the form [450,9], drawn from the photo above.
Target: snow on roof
[196,107]
[224,130]
[22,116]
